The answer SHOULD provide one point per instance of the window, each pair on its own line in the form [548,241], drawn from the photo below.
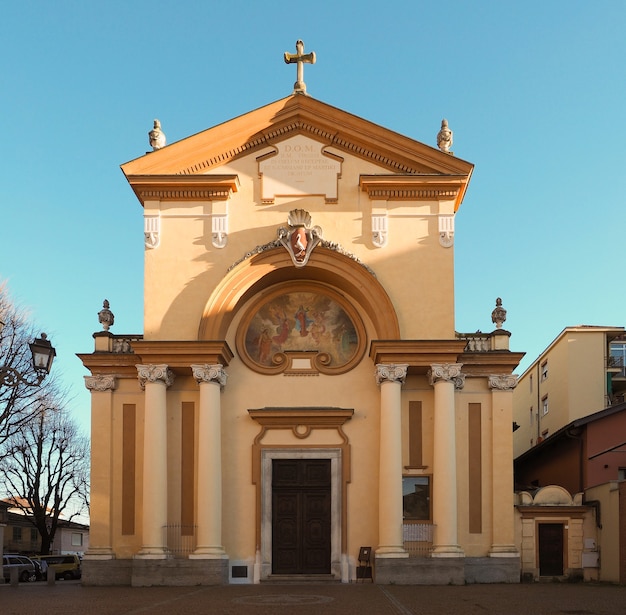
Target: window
[77,539]
[544,370]
[531,415]
[530,381]
[618,356]
[544,405]
[17,533]
[34,534]
[621,474]
[416,498]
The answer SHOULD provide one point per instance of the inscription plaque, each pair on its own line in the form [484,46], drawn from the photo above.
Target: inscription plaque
[299,167]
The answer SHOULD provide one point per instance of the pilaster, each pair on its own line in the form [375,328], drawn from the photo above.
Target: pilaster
[502,458]
[100,538]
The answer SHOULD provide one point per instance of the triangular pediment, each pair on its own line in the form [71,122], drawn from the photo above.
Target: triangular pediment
[204,152]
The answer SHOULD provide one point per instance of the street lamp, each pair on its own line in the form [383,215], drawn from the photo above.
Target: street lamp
[43,354]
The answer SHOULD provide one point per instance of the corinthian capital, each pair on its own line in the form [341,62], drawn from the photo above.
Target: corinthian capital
[100,382]
[210,373]
[154,373]
[503,382]
[447,372]
[391,373]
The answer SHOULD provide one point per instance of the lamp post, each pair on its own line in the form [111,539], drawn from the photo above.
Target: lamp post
[43,353]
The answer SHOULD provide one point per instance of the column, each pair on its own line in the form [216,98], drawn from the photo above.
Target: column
[211,379]
[502,458]
[100,540]
[154,379]
[445,378]
[390,539]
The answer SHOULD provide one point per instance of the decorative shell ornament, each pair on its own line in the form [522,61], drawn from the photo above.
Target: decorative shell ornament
[299,238]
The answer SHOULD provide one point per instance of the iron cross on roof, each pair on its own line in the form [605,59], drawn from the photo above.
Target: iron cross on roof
[299,58]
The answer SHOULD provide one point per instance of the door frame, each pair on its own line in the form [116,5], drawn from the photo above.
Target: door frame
[335,456]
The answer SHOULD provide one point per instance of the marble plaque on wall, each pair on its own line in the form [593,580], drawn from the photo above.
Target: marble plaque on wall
[299,167]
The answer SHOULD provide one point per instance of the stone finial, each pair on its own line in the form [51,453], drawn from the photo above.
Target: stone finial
[445,137]
[498,316]
[106,316]
[157,136]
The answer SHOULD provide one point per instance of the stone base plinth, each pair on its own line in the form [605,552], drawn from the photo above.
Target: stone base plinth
[141,572]
[419,571]
[179,572]
[492,569]
[107,572]
[446,571]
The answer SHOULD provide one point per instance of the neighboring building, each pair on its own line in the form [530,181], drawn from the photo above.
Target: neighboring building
[585,453]
[580,372]
[70,538]
[587,457]
[4,517]
[21,536]
[299,390]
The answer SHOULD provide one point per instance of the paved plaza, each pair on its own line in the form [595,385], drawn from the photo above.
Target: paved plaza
[68,598]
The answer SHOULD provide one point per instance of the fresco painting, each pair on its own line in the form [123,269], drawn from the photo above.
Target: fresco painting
[301,321]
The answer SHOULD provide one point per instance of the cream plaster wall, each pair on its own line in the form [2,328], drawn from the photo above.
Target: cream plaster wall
[587,373]
[127,392]
[355,390]
[608,536]
[414,269]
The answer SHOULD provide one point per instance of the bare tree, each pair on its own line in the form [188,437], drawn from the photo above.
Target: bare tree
[45,472]
[20,396]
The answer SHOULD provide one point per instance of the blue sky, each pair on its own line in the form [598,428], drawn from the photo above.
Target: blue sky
[534,92]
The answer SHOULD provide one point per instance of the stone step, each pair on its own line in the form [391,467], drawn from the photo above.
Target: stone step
[301,579]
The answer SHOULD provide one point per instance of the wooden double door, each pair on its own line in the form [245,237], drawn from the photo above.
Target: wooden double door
[301,516]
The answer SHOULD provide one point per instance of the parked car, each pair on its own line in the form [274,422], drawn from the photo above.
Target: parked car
[65,566]
[27,570]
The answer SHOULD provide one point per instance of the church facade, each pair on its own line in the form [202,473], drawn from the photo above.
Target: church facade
[299,390]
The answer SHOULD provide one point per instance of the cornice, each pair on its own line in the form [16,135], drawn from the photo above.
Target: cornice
[292,418]
[110,363]
[183,187]
[419,355]
[531,511]
[414,187]
[180,355]
[264,127]
[490,363]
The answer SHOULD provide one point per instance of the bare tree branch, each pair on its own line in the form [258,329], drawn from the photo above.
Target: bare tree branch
[18,399]
[45,471]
